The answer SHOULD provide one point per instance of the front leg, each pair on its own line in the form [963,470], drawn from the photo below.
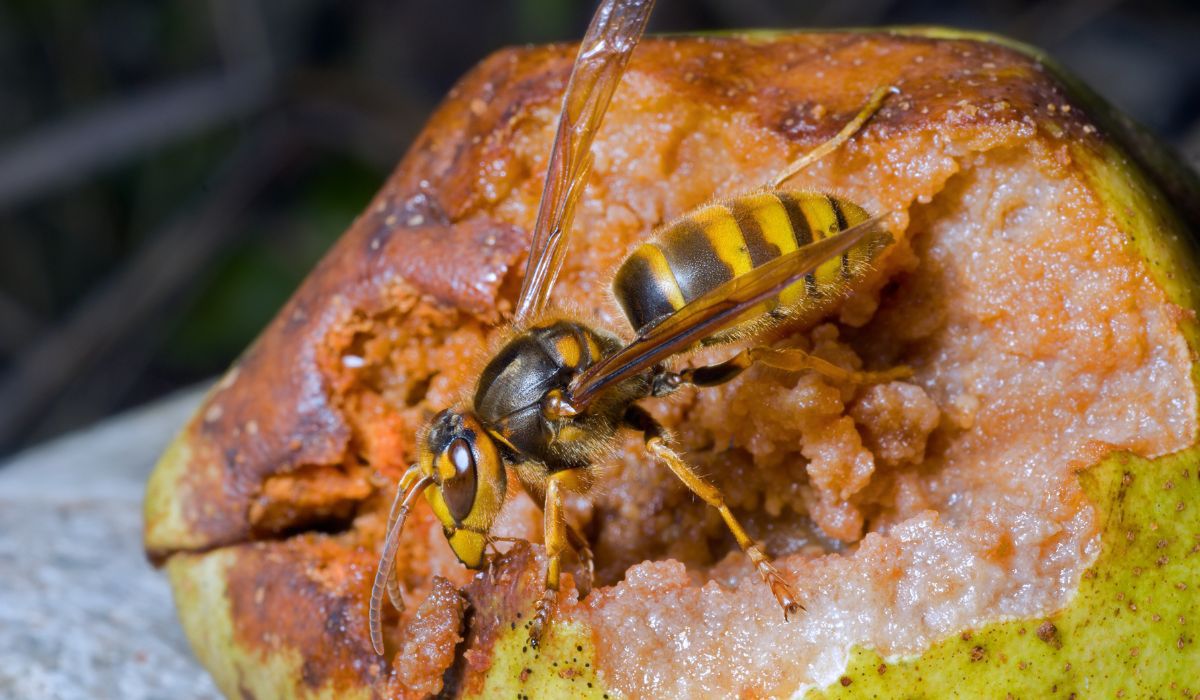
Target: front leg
[656,445]
[556,541]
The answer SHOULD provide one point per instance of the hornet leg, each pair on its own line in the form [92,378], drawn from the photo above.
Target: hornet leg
[656,445]
[556,541]
[576,539]
[790,359]
[874,102]
[584,551]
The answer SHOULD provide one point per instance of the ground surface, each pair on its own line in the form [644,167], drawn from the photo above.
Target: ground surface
[84,615]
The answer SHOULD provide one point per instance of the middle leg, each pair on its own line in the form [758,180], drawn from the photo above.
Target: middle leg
[656,445]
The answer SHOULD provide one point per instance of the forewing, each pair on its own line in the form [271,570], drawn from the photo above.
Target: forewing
[603,54]
[717,310]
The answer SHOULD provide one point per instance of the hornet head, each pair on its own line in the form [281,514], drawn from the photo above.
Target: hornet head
[468,481]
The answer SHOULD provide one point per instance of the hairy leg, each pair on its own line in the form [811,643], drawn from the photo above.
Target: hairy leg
[874,102]
[790,359]
[656,444]
[556,541]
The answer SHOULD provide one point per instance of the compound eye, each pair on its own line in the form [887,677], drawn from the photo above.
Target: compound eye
[459,490]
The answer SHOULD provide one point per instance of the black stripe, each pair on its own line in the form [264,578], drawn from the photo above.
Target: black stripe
[801,231]
[693,259]
[840,215]
[761,251]
[585,351]
[639,294]
[548,336]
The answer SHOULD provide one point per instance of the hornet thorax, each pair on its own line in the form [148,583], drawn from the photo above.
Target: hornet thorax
[535,362]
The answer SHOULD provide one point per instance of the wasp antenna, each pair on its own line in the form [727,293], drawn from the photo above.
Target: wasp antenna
[384,575]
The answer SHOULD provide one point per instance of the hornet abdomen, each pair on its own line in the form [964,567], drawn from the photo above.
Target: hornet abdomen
[714,244]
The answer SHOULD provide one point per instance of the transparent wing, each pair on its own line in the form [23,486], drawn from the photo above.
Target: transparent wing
[603,54]
[718,309]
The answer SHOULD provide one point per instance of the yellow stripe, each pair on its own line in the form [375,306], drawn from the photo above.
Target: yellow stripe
[725,238]
[829,275]
[854,214]
[821,217]
[823,221]
[777,229]
[773,221]
[663,277]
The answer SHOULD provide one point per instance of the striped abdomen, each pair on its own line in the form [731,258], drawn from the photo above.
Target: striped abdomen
[718,242]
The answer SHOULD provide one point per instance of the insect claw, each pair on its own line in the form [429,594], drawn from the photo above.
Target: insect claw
[783,591]
[790,607]
[541,616]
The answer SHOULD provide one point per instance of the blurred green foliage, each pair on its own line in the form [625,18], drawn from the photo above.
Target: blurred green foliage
[249,285]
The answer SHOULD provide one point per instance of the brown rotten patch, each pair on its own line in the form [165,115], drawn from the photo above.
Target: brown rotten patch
[293,604]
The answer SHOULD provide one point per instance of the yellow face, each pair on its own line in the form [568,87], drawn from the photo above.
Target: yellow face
[469,482]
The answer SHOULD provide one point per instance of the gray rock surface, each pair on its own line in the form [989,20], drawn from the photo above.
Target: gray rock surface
[82,614]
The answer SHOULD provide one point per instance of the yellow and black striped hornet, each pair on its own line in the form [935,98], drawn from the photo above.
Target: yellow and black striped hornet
[549,404]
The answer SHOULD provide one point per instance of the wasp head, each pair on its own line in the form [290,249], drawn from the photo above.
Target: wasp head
[468,478]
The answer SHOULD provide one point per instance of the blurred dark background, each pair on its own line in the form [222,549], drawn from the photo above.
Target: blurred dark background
[169,171]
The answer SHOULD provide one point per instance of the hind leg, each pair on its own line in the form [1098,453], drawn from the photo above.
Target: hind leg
[789,359]
[874,102]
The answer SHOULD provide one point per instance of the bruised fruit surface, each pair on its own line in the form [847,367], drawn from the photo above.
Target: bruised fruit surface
[1045,336]
[988,520]
[1129,631]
